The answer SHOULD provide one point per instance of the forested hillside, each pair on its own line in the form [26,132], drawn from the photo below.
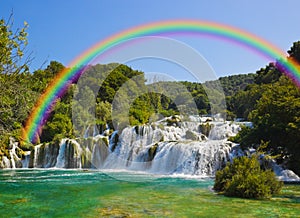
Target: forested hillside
[232,84]
[272,103]
[267,98]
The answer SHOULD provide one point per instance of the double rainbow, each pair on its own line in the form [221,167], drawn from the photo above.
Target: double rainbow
[62,81]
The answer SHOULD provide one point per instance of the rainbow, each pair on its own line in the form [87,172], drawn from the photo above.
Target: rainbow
[62,81]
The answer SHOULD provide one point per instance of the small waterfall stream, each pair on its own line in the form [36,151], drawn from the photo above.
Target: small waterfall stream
[25,161]
[12,158]
[60,161]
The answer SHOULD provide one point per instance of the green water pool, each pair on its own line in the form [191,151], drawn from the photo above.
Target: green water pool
[78,193]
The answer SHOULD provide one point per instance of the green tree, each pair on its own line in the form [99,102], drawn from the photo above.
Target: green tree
[16,98]
[267,75]
[12,48]
[103,115]
[59,122]
[59,126]
[83,114]
[245,178]
[115,79]
[274,111]
[243,102]
[277,121]
[294,52]
[42,78]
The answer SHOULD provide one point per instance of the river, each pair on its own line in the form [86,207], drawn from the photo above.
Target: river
[109,193]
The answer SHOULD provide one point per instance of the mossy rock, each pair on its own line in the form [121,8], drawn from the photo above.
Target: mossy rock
[190,135]
[114,141]
[174,121]
[1,152]
[85,160]
[152,151]
[161,126]
[136,129]
[205,128]
[19,152]
[104,140]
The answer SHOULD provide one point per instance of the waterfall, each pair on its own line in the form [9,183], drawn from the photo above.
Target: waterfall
[16,157]
[95,131]
[12,159]
[113,141]
[86,132]
[44,156]
[168,157]
[196,146]
[69,155]
[91,131]
[26,160]
[223,130]
[36,155]
[5,162]
[167,146]
[169,149]
[60,161]
[100,152]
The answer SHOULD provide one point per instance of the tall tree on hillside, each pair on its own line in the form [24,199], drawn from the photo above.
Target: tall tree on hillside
[16,99]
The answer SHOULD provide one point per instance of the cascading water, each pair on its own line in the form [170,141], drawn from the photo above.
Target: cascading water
[5,163]
[25,161]
[14,159]
[223,130]
[169,146]
[12,156]
[60,161]
[169,149]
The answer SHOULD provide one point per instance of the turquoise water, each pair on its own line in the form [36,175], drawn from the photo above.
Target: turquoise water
[78,193]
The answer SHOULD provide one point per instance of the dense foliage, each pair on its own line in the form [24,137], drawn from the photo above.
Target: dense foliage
[267,98]
[245,178]
[234,83]
[273,105]
[16,99]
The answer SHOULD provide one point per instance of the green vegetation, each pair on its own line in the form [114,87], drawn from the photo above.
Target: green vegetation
[16,99]
[272,103]
[267,98]
[275,113]
[20,89]
[245,178]
[233,84]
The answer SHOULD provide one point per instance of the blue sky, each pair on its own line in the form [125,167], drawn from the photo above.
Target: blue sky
[62,29]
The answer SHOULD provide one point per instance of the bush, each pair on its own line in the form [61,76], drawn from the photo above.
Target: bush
[244,178]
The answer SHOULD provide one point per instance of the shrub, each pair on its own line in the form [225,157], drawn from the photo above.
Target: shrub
[244,178]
